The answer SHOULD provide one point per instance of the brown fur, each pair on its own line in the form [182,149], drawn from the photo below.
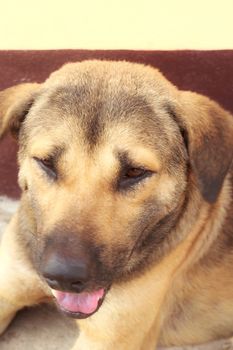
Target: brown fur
[164,244]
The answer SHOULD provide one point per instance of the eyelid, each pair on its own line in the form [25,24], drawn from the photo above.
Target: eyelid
[128,183]
[50,171]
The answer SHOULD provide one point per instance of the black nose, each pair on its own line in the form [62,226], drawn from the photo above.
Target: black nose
[65,273]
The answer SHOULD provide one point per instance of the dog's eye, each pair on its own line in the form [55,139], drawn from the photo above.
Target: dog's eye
[134,173]
[47,165]
[132,176]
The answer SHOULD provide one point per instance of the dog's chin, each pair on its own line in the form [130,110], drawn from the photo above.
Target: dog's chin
[79,305]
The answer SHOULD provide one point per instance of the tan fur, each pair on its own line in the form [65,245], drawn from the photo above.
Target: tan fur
[181,291]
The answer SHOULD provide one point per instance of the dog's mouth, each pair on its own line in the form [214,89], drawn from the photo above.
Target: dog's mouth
[79,305]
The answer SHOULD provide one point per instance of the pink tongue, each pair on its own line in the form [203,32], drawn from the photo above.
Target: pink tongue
[85,302]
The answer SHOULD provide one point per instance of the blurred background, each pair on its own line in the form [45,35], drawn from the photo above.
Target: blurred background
[116,24]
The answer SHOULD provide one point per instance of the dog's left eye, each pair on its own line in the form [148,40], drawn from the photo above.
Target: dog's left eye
[47,165]
[134,173]
[132,176]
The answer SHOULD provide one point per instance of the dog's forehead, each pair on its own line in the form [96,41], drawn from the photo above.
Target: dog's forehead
[109,80]
[95,99]
[117,87]
[132,75]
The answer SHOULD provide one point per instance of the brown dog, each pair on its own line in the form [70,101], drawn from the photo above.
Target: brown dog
[125,218]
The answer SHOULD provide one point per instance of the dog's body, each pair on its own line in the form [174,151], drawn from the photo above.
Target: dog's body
[127,200]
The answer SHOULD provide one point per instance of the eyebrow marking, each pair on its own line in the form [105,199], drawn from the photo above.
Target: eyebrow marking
[53,153]
[126,161]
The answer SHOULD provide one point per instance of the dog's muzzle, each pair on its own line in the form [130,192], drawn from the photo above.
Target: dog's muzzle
[68,278]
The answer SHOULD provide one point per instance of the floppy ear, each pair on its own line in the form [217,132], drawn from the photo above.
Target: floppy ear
[208,132]
[15,103]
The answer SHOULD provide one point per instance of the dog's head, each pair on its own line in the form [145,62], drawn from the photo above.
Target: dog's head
[110,156]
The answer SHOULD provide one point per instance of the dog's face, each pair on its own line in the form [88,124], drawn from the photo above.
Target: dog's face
[105,172]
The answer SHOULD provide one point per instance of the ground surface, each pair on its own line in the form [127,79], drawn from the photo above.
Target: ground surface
[43,328]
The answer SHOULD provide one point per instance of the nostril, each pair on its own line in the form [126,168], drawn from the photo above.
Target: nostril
[65,273]
[52,283]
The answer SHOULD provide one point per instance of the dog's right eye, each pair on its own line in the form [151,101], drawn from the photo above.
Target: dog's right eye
[48,166]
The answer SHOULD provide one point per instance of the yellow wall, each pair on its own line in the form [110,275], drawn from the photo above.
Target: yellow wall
[114,24]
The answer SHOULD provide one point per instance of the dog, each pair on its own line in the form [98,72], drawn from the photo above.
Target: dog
[125,220]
